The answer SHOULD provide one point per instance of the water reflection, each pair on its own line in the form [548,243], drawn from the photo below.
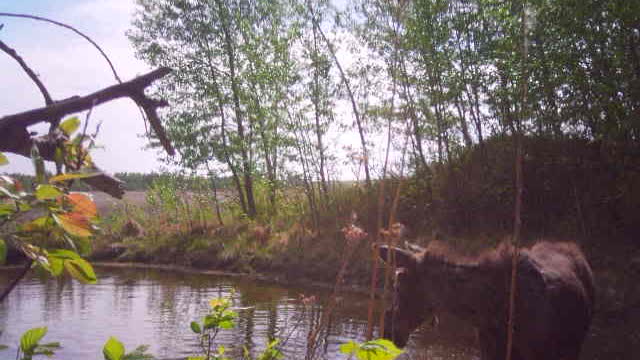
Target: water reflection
[143,306]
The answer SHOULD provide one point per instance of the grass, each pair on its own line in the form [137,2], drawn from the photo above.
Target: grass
[183,230]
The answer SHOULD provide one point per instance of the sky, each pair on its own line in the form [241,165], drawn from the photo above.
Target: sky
[69,65]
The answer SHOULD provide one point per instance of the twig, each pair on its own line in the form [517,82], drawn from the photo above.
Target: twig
[15,281]
[11,52]
[82,155]
[33,17]
[517,136]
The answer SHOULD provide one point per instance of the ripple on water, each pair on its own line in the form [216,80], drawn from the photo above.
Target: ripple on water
[155,307]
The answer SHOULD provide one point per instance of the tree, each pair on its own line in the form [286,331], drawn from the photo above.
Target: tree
[228,93]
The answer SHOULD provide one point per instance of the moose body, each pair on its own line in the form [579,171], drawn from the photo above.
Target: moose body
[554,297]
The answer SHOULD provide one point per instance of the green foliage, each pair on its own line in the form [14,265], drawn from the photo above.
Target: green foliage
[113,349]
[67,219]
[70,125]
[30,345]
[139,353]
[379,349]
[221,317]
[270,353]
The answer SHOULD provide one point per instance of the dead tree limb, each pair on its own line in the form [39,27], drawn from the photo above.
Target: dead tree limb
[40,18]
[15,138]
[133,89]
[11,52]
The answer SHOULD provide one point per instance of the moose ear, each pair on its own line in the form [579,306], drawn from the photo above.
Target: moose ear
[403,257]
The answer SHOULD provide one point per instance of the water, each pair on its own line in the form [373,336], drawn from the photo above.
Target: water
[155,307]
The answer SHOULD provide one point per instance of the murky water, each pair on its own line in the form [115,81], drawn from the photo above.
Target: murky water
[155,307]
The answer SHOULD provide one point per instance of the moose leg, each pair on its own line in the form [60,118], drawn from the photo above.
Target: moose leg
[492,345]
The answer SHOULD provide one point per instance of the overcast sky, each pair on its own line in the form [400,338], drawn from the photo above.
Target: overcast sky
[68,65]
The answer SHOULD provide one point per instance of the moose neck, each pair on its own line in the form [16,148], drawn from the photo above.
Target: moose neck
[462,289]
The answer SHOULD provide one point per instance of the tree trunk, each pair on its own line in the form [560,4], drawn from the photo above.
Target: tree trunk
[354,106]
[316,105]
[235,89]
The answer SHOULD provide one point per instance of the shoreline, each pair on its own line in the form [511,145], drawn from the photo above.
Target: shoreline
[261,277]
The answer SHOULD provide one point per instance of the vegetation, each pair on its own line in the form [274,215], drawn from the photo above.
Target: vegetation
[433,95]
[434,86]
[439,82]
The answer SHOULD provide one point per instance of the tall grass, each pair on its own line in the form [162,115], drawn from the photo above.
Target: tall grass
[177,224]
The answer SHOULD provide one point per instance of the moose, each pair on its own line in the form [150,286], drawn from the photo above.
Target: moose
[553,305]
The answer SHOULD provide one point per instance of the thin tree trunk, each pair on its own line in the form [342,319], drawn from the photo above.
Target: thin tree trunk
[518,139]
[235,89]
[223,135]
[316,105]
[216,202]
[463,122]
[417,134]
[354,106]
[227,157]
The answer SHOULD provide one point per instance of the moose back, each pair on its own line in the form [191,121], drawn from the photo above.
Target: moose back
[554,297]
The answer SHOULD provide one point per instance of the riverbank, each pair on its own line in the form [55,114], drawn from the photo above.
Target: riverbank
[273,278]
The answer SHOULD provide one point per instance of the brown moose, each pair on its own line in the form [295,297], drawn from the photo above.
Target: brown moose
[554,297]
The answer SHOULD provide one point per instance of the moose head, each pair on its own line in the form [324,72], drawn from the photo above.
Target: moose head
[410,305]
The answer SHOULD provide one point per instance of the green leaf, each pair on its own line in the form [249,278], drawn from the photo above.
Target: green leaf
[210,322]
[226,324]
[72,176]
[64,254]
[3,159]
[113,349]
[195,327]
[81,270]
[81,244]
[38,164]
[30,339]
[379,349]
[3,347]
[349,348]
[55,266]
[70,125]
[7,209]
[47,192]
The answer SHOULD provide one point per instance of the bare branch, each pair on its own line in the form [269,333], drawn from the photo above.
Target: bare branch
[11,52]
[133,89]
[33,17]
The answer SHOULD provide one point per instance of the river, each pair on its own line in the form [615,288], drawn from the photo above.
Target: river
[155,307]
